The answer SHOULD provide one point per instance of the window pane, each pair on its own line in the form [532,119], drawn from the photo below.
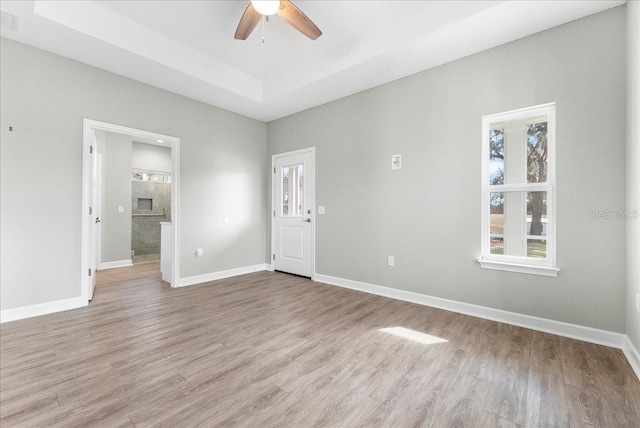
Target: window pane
[537,152]
[292,190]
[496,234]
[537,213]
[518,224]
[537,224]
[300,200]
[536,248]
[496,156]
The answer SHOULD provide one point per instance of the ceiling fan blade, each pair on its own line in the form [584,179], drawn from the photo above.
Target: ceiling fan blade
[247,23]
[298,20]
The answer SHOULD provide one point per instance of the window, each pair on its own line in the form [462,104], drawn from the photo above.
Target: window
[518,183]
[292,190]
[145,175]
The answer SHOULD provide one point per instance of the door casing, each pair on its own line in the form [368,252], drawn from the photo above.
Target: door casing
[88,126]
[96,203]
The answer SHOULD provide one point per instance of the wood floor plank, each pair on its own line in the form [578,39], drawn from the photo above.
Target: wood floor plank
[488,419]
[583,390]
[465,407]
[485,348]
[24,411]
[584,407]
[614,374]
[546,396]
[423,396]
[507,396]
[270,349]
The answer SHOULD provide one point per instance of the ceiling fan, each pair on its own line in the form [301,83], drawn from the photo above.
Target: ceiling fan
[285,9]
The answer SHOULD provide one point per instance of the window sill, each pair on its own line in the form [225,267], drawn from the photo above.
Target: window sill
[519,268]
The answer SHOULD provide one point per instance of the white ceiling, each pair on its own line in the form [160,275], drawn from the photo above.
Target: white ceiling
[187,47]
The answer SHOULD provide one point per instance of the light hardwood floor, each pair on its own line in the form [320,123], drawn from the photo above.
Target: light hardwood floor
[273,350]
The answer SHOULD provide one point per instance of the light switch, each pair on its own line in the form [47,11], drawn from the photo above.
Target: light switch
[321,210]
[199,252]
[120,209]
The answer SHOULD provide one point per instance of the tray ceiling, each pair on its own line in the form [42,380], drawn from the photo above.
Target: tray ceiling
[187,47]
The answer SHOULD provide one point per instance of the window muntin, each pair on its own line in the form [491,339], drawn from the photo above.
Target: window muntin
[518,223]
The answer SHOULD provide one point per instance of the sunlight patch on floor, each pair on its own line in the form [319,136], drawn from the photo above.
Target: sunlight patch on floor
[416,336]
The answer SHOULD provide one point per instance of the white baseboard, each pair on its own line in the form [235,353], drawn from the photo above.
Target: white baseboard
[15,314]
[573,331]
[213,276]
[632,354]
[77,302]
[115,264]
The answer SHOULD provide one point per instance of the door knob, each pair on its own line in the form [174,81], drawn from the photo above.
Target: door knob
[307,220]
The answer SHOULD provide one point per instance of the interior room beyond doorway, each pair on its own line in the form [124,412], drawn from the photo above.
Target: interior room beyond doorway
[135,198]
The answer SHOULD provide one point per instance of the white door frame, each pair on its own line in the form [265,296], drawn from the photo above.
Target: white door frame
[96,203]
[274,182]
[88,125]
[99,207]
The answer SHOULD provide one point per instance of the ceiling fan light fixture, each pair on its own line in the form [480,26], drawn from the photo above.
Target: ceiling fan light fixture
[266,7]
[285,10]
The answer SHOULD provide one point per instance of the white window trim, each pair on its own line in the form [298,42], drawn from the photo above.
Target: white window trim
[526,265]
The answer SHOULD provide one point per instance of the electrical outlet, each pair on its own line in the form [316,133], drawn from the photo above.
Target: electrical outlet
[392,261]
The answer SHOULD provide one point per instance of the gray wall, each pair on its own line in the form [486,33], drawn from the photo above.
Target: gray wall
[151,157]
[427,214]
[116,185]
[44,97]
[633,169]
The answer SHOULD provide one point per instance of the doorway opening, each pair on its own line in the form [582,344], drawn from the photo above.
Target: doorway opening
[147,195]
[150,199]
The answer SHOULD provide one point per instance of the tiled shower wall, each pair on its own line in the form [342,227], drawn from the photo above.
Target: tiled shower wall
[145,222]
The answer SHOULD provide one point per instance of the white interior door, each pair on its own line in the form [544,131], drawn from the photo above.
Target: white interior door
[293,209]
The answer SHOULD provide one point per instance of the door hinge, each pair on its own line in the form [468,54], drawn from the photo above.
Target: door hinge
[89,271]
[90,210]
[274,213]
[90,149]
[274,257]
[274,169]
